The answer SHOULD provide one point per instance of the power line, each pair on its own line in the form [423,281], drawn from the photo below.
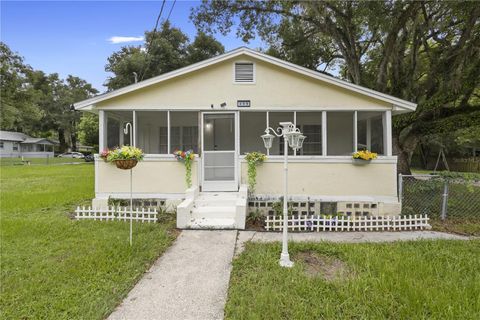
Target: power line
[171,9]
[151,39]
[159,16]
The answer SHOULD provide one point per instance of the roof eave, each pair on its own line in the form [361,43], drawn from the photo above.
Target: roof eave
[89,104]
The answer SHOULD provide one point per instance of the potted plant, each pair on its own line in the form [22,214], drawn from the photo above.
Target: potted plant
[363,157]
[125,157]
[104,154]
[186,157]
[253,160]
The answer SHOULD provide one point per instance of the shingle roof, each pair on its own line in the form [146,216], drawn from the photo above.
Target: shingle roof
[13,136]
[21,137]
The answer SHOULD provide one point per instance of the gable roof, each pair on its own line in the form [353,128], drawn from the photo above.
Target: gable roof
[397,102]
[13,136]
[21,137]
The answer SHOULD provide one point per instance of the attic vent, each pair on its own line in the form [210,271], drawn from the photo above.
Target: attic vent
[243,72]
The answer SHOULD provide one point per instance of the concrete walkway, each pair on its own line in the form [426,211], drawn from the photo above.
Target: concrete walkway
[189,281]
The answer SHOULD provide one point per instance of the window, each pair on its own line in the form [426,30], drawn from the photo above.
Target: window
[244,72]
[339,133]
[184,131]
[310,124]
[274,120]
[1,144]
[252,126]
[15,146]
[116,121]
[370,131]
[152,131]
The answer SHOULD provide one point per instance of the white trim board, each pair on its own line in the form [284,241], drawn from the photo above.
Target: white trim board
[325,198]
[139,195]
[396,102]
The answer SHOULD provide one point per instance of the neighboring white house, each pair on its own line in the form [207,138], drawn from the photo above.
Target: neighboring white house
[17,144]
[221,106]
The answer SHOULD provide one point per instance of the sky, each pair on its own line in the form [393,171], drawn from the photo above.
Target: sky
[77,37]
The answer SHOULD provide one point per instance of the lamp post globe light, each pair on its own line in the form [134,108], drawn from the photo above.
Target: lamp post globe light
[293,138]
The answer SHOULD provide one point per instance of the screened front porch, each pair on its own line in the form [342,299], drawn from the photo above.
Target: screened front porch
[321,169]
[329,133]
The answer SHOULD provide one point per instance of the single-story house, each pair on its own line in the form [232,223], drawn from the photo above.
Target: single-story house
[220,107]
[17,144]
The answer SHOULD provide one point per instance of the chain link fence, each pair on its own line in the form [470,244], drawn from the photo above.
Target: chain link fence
[439,197]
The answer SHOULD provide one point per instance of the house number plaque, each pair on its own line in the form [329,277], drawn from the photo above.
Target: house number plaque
[243,103]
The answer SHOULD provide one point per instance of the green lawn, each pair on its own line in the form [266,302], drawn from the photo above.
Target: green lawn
[53,267]
[35,161]
[404,280]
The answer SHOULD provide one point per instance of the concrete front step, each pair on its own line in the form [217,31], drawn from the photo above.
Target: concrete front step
[214,212]
[215,203]
[212,223]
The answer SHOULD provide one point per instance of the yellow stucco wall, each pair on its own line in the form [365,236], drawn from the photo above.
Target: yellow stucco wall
[326,179]
[275,87]
[166,176]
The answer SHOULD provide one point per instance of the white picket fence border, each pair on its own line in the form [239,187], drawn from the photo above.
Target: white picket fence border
[116,213]
[365,223]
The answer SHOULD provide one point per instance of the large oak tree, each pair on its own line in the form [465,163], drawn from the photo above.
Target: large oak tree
[423,51]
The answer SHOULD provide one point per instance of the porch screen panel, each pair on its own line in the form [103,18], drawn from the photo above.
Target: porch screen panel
[340,133]
[219,166]
[184,131]
[152,131]
[252,126]
[116,122]
[370,132]
[274,120]
[310,124]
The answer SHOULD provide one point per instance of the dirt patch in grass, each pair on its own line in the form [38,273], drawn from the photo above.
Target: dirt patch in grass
[316,265]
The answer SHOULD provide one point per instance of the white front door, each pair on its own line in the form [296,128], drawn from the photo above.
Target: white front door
[219,151]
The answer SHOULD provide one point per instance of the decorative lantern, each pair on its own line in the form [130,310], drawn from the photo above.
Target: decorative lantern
[292,138]
[301,138]
[267,140]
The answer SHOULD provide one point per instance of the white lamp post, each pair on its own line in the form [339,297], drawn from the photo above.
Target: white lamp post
[126,131]
[293,138]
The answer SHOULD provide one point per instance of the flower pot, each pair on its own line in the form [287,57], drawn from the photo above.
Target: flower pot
[361,162]
[125,164]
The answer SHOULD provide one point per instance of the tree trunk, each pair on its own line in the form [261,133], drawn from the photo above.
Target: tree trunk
[61,139]
[73,137]
[404,152]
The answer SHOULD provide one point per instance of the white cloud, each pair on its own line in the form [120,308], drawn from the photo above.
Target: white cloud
[117,39]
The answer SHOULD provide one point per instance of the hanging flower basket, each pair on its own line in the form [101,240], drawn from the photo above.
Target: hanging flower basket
[363,157]
[125,164]
[186,157]
[361,162]
[125,158]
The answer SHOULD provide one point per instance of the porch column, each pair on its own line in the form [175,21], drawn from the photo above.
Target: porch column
[168,132]
[387,132]
[134,129]
[369,134]
[355,132]
[324,133]
[101,130]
